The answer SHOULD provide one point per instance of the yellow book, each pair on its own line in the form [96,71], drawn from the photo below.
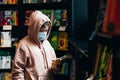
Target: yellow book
[62,41]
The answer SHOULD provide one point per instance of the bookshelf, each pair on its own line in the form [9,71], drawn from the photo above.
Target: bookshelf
[9,34]
[103,43]
[19,30]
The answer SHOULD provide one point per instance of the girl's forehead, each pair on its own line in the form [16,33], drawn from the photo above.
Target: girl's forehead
[44,27]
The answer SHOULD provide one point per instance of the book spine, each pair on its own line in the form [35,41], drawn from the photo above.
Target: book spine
[109,72]
[97,59]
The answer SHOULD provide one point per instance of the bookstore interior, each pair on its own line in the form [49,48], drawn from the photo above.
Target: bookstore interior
[85,34]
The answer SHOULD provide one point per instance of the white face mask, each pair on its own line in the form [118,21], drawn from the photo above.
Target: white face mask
[42,35]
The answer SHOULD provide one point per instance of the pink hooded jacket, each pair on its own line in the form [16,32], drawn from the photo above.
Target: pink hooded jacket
[33,59]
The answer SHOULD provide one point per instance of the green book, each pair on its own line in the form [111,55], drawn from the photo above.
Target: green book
[57,18]
[54,40]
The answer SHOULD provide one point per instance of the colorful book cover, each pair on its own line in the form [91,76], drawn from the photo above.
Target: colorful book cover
[9,17]
[54,40]
[63,18]
[59,0]
[8,76]
[26,1]
[5,39]
[34,1]
[12,1]
[5,1]
[1,18]
[111,24]
[109,72]
[6,62]
[57,18]
[62,41]
[2,76]
[15,18]
[103,66]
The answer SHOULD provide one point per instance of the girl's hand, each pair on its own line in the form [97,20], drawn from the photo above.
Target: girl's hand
[56,65]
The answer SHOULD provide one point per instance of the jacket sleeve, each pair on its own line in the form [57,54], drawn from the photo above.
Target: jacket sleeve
[55,67]
[19,63]
[53,54]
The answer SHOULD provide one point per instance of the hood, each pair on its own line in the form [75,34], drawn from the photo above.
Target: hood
[37,19]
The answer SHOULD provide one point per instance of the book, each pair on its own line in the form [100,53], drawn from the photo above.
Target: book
[97,60]
[63,18]
[62,41]
[6,62]
[103,64]
[54,40]
[64,70]
[12,1]
[26,1]
[59,0]
[5,40]
[34,1]
[63,21]
[109,71]
[73,70]
[2,76]
[100,15]
[57,18]
[8,17]
[5,1]
[5,76]
[15,18]
[111,24]
[8,76]
[1,18]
